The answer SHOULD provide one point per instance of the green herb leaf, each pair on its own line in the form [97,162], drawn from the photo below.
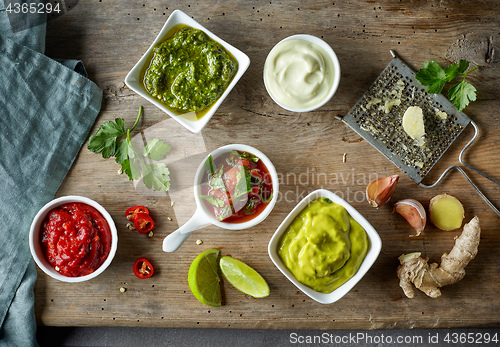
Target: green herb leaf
[216,183]
[215,180]
[461,94]
[254,158]
[104,141]
[432,75]
[156,149]
[209,165]
[212,201]
[245,155]
[224,213]
[123,151]
[243,182]
[269,198]
[451,72]
[132,168]
[454,70]
[463,65]
[435,77]
[156,175]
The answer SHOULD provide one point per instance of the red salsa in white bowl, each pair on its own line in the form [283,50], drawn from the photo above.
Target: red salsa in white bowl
[235,187]
[73,239]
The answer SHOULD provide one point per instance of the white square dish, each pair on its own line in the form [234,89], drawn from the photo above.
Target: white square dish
[371,256]
[133,79]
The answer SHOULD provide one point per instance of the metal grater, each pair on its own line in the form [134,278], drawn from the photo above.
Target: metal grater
[377,117]
[384,130]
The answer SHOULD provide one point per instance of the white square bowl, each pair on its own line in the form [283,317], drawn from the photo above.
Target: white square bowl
[371,256]
[133,79]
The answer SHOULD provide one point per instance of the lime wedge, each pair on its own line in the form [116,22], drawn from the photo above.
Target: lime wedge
[243,277]
[203,278]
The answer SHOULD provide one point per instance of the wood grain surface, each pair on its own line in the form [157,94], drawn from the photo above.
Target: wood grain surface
[307,150]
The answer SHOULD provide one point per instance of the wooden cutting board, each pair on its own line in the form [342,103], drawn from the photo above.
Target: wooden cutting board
[308,151]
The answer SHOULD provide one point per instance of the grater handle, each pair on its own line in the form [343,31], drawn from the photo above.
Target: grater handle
[461,159]
[468,180]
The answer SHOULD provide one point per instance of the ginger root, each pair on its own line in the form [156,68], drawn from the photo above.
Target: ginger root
[415,270]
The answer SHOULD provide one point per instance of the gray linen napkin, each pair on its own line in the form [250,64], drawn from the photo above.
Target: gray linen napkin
[46,112]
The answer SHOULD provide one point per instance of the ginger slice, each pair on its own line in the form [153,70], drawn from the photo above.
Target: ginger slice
[446,212]
[414,268]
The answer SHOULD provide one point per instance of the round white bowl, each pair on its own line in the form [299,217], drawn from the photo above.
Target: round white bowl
[36,248]
[336,67]
[203,216]
[371,256]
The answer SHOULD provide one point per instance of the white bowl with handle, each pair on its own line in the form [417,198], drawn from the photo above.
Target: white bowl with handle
[203,216]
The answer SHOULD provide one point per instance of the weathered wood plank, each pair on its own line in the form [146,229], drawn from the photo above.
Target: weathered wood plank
[307,150]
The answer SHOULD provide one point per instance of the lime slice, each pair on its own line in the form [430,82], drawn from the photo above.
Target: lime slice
[243,277]
[203,278]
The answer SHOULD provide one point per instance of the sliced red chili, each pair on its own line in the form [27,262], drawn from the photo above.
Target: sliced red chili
[143,223]
[143,268]
[131,212]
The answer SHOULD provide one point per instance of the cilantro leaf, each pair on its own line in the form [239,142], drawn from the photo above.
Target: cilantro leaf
[435,77]
[461,94]
[132,168]
[104,141]
[156,149]
[463,65]
[156,175]
[432,75]
[123,151]
[454,70]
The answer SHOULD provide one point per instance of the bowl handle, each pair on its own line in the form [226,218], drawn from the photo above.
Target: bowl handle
[173,241]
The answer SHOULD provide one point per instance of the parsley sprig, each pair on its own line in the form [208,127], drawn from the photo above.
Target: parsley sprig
[434,76]
[135,163]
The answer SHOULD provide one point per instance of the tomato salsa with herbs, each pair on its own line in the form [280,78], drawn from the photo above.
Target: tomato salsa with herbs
[189,71]
[76,239]
[237,186]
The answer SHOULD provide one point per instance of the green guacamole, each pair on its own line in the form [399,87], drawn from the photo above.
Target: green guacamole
[324,246]
[189,71]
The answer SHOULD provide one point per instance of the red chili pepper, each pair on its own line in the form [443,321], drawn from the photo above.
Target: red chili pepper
[143,268]
[143,223]
[131,212]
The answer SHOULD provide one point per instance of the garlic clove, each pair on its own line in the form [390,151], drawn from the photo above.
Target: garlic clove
[413,212]
[413,124]
[380,190]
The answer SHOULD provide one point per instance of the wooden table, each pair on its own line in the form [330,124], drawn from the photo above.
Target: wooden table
[307,150]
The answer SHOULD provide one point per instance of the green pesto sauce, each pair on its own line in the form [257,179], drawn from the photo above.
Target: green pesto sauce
[189,71]
[324,246]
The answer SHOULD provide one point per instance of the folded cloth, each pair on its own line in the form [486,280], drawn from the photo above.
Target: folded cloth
[47,110]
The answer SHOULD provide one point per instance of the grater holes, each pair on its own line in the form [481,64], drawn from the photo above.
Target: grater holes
[391,140]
